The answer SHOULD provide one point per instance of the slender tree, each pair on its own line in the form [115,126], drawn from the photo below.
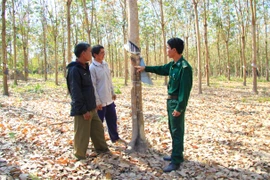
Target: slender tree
[44,28]
[195,4]
[25,38]
[88,26]
[163,37]
[162,23]
[138,141]
[69,33]
[123,4]
[4,51]
[14,44]
[240,12]
[266,41]
[254,47]
[226,35]
[54,23]
[206,42]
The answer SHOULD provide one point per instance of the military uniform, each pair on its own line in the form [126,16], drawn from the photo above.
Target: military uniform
[179,87]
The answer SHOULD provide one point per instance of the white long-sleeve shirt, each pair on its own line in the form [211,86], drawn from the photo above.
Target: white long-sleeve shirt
[102,81]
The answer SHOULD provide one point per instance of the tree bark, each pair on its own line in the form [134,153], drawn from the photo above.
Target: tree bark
[138,141]
[44,27]
[164,39]
[206,46]
[266,44]
[88,27]
[254,48]
[124,20]
[4,51]
[195,3]
[68,27]
[14,44]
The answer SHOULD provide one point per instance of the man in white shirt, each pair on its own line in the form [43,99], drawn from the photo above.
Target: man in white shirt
[104,92]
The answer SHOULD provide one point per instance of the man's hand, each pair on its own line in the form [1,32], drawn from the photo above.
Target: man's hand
[114,97]
[87,116]
[99,107]
[176,113]
[139,68]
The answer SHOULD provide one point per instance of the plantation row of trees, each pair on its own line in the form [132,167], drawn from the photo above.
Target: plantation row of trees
[222,37]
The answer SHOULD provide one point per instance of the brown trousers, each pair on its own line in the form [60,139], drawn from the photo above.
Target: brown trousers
[84,129]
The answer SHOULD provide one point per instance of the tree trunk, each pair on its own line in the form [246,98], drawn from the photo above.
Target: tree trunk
[228,59]
[198,47]
[266,43]
[155,54]
[4,51]
[125,57]
[186,47]
[25,36]
[88,27]
[147,50]
[254,48]
[68,28]
[244,56]
[206,46]
[44,27]
[64,59]
[219,57]
[63,50]
[138,140]
[164,39]
[124,19]
[14,45]
[56,60]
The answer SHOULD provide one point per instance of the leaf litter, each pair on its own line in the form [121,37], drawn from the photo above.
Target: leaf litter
[227,136]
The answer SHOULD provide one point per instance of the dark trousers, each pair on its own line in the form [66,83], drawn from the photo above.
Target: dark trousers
[177,130]
[109,113]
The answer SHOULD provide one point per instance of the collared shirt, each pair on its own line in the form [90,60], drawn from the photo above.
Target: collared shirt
[180,82]
[102,81]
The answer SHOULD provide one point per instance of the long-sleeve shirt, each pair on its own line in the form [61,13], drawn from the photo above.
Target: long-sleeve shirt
[180,82]
[80,88]
[102,81]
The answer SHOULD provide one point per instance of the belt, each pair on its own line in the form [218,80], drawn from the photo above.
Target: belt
[172,97]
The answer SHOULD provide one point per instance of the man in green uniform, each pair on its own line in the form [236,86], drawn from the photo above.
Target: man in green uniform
[179,87]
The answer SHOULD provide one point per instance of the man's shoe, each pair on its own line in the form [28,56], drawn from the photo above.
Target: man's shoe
[78,158]
[167,158]
[171,167]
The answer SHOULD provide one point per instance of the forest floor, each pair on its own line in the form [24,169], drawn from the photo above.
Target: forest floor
[227,134]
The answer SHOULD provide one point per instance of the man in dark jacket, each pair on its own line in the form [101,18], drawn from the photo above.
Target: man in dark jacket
[83,106]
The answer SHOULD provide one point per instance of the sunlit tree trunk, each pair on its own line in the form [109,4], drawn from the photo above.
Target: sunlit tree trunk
[164,38]
[68,29]
[25,37]
[254,48]
[14,44]
[4,51]
[266,44]
[243,44]
[63,48]
[54,22]
[240,15]
[219,57]
[155,54]
[123,4]
[206,45]
[195,3]
[138,141]
[44,28]
[88,26]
